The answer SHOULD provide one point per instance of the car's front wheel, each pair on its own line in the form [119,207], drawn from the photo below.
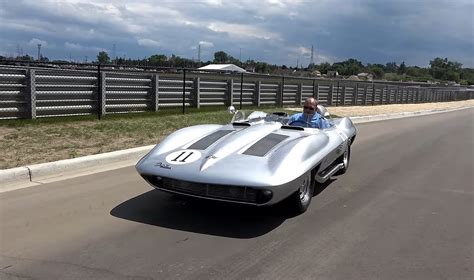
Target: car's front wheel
[301,199]
[345,159]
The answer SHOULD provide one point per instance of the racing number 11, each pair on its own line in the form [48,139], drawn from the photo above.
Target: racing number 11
[184,159]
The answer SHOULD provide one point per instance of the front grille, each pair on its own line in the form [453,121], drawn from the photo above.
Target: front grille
[226,192]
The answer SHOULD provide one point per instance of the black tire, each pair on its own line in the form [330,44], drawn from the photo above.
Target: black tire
[299,201]
[345,159]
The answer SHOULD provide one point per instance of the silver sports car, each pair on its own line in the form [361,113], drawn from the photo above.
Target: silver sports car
[258,160]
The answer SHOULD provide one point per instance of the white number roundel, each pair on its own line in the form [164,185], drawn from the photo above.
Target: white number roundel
[183,157]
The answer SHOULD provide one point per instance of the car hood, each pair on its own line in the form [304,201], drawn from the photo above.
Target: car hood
[261,154]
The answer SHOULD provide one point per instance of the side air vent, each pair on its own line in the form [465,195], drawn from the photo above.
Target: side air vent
[292,127]
[240,124]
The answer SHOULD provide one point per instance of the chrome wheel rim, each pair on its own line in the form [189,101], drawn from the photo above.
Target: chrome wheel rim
[345,159]
[304,190]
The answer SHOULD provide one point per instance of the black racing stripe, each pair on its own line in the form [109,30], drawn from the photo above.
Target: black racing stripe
[208,140]
[265,144]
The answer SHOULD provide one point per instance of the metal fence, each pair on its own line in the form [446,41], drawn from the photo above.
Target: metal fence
[34,92]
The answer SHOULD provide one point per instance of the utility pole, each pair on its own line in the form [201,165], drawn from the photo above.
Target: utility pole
[199,54]
[312,55]
[39,51]
[113,54]
[240,55]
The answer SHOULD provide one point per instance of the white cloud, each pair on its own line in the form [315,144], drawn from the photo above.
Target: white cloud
[242,30]
[79,47]
[214,2]
[206,44]
[149,43]
[304,51]
[35,41]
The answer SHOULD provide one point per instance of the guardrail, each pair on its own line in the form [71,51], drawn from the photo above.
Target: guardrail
[34,92]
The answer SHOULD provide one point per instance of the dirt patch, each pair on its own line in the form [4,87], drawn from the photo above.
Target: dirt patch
[352,111]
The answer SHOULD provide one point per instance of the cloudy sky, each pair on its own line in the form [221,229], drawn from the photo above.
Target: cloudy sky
[275,31]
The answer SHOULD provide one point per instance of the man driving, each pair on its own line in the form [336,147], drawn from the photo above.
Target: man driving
[309,117]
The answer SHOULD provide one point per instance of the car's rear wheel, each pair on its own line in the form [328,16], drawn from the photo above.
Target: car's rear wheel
[300,200]
[345,159]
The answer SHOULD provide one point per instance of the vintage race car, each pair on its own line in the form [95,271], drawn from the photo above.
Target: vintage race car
[258,160]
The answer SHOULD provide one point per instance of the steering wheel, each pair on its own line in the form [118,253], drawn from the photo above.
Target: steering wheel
[302,122]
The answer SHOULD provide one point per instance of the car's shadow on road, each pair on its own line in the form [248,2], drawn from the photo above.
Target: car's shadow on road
[203,216]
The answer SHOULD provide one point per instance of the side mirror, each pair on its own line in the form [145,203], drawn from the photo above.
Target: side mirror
[231,109]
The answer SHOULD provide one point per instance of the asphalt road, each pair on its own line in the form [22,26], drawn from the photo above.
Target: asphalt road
[404,210]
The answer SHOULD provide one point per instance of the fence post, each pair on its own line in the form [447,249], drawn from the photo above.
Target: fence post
[389,95]
[184,90]
[155,83]
[382,93]
[230,92]
[343,95]
[280,92]
[103,91]
[330,94]
[241,88]
[373,93]
[316,91]
[256,95]
[197,92]
[355,93]
[364,98]
[31,93]
[299,94]
[397,94]
[99,93]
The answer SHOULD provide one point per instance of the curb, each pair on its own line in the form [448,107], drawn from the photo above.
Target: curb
[21,177]
[380,117]
[25,176]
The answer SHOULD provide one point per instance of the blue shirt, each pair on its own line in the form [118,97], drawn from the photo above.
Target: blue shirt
[316,121]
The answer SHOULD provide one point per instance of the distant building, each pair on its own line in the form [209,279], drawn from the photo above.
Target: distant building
[223,67]
[365,76]
[316,73]
[333,74]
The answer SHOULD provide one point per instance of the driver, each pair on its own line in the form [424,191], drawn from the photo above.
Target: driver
[309,116]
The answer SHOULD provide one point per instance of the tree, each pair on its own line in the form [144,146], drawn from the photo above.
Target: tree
[221,57]
[323,67]
[262,67]
[402,69]
[103,57]
[158,60]
[376,69]
[391,67]
[444,69]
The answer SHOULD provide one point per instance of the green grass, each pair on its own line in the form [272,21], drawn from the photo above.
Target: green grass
[24,142]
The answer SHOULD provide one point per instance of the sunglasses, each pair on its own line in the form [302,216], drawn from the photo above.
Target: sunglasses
[308,108]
